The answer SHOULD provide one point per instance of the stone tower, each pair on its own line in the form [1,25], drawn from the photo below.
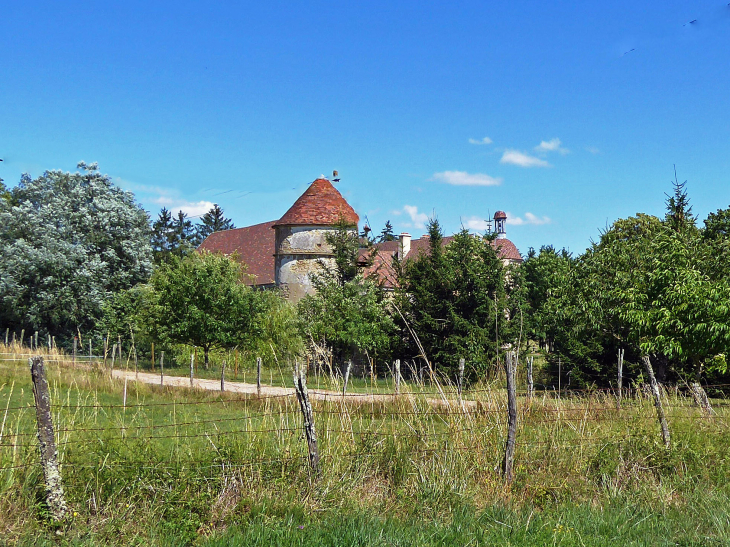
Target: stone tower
[300,236]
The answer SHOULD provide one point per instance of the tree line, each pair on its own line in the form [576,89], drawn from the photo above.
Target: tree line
[80,255]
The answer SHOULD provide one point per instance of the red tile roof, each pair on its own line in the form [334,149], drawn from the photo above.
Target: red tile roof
[255,246]
[382,268]
[322,205]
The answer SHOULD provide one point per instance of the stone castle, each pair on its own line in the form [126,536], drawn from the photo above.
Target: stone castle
[282,253]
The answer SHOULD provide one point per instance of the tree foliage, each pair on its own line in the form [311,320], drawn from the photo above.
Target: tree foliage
[201,299]
[348,313]
[454,299]
[68,242]
[213,221]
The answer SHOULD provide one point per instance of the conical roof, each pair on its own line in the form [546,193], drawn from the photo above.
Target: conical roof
[321,205]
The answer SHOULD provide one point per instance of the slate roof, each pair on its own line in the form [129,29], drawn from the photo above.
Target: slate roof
[255,246]
[320,205]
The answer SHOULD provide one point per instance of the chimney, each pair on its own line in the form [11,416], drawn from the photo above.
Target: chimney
[405,245]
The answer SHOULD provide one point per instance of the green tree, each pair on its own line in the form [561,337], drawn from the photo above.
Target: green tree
[387,233]
[201,299]
[68,242]
[183,239]
[162,236]
[348,313]
[213,221]
[455,300]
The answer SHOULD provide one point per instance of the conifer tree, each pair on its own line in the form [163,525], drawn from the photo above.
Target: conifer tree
[213,221]
[387,233]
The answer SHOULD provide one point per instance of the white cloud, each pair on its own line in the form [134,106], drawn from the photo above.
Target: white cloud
[553,145]
[192,208]
[418,219]
[529,218]
[515,157]
[485,140]
[592,150]
[462,178]
[477,224]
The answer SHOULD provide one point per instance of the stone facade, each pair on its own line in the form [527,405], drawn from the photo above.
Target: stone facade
[299,250]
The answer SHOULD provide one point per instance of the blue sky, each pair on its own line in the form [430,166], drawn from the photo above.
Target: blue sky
[567,115]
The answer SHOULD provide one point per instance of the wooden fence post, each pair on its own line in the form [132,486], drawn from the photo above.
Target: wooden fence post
[91,351]
[300,386]
[76,341]
[152,352]
[258,376]
[22,337]
[620,377]
[530,381]
[114,353]
[509,451]
[397,376]
[347,376]
[162,368]
[223,377]
[235,367]
[7,333]
[46,441]
[700,397]
[192,364]
[460,384]
[657,400]
[36,340]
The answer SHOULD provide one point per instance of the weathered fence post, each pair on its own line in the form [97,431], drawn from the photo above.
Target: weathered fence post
[50,347]
[530,382]
[300,386]
[76,342]
[46,440]
[223,377]
[36,340]
[114,353]
[348,365]
[460,384]
[192,364]
[397,376]
[258,376]
[152,352]
[657,400]
[620,377]
[91,351]
[700,397]
[162,368]
[7,333]
[509,451]
[22,337]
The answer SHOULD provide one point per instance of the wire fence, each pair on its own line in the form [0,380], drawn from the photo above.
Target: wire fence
[96,428]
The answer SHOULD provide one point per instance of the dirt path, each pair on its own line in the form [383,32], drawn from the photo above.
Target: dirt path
[272,391]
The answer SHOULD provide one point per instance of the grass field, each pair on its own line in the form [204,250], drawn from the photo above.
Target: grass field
[181,467]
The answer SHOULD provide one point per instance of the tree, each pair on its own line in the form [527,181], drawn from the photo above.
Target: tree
[387,233]
[454,298]
[183,240]
[201,299]
[4,194]
[348,313]
[162,236]
[213,221]
[68,241]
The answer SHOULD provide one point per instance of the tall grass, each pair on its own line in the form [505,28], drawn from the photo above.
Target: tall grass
[179,465]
